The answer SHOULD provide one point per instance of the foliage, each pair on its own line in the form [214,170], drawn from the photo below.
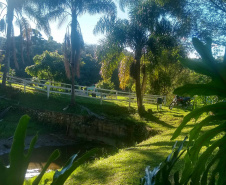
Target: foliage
[89,67]
[17,10]
[206,18]
[160,174]
[124,71]
[197,167]
[73,39]
[165,70]
[20,160]
[106,84]
[49,66]
[204,160]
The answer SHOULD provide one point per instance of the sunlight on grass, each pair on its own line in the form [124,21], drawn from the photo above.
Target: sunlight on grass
[127,166]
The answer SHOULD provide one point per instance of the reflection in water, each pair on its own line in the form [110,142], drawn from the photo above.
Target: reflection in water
[40,156]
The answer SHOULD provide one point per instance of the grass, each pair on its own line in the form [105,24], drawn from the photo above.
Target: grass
[128,165]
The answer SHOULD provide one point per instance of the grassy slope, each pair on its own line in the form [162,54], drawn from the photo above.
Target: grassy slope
[127,166]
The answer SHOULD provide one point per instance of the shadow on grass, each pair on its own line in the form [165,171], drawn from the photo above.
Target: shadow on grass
[151,117]
[178,115]
[131,167]
[91,174]
[164,144]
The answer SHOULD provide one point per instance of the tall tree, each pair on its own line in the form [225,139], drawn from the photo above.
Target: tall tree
[62,9]
[16,9]
[145,18]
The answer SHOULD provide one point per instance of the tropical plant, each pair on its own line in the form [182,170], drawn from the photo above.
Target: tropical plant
[15,173]
[62,9]
[17,9]
[205,157]
[160,174]
[129,33]
[146,17]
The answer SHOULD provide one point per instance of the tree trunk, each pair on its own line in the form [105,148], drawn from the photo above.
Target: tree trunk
[21,45]
[137,79]
[10,12]
[72,85]
[144,82]
[75,52]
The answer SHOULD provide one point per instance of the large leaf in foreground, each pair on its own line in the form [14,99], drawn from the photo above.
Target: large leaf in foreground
[196,113]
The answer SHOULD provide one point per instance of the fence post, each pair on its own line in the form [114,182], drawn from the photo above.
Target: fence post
[116,94]
[24,86]
[129,99]
[101,98]
[48,91]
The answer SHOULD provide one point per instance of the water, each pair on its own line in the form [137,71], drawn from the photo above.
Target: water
[40,156]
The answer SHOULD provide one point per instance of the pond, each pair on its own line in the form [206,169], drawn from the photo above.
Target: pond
[40,156]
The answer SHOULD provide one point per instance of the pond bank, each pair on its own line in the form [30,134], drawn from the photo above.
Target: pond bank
[44,147]
[93,128]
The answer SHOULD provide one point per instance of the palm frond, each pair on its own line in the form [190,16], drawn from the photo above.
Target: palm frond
[2,11]
[62,19]
[54,14]
[104,25]
[2,25]
[100,6]
[40,20]
[126,3]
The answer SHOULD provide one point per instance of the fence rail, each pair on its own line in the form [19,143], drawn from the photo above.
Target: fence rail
[83,91]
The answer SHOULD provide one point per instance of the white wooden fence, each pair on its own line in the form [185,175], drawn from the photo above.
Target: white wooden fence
[49,87]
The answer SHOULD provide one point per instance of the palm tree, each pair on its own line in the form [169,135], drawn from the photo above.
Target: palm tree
[131,33]
[16,9]
[63,9]
[124,33]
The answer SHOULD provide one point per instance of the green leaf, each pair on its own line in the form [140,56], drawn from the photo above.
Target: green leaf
[197,66]
[203,160]
[221,165]
[52,158]
[202,89]
[204,140]
[176,177]
[194,133]
[32,145]
[196,113]
[17,158]
[204,51]
[61,176]
[188,169]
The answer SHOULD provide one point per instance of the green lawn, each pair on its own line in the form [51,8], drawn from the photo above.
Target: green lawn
[128,165]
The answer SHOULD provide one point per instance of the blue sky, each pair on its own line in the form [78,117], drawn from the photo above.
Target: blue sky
[87,24]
